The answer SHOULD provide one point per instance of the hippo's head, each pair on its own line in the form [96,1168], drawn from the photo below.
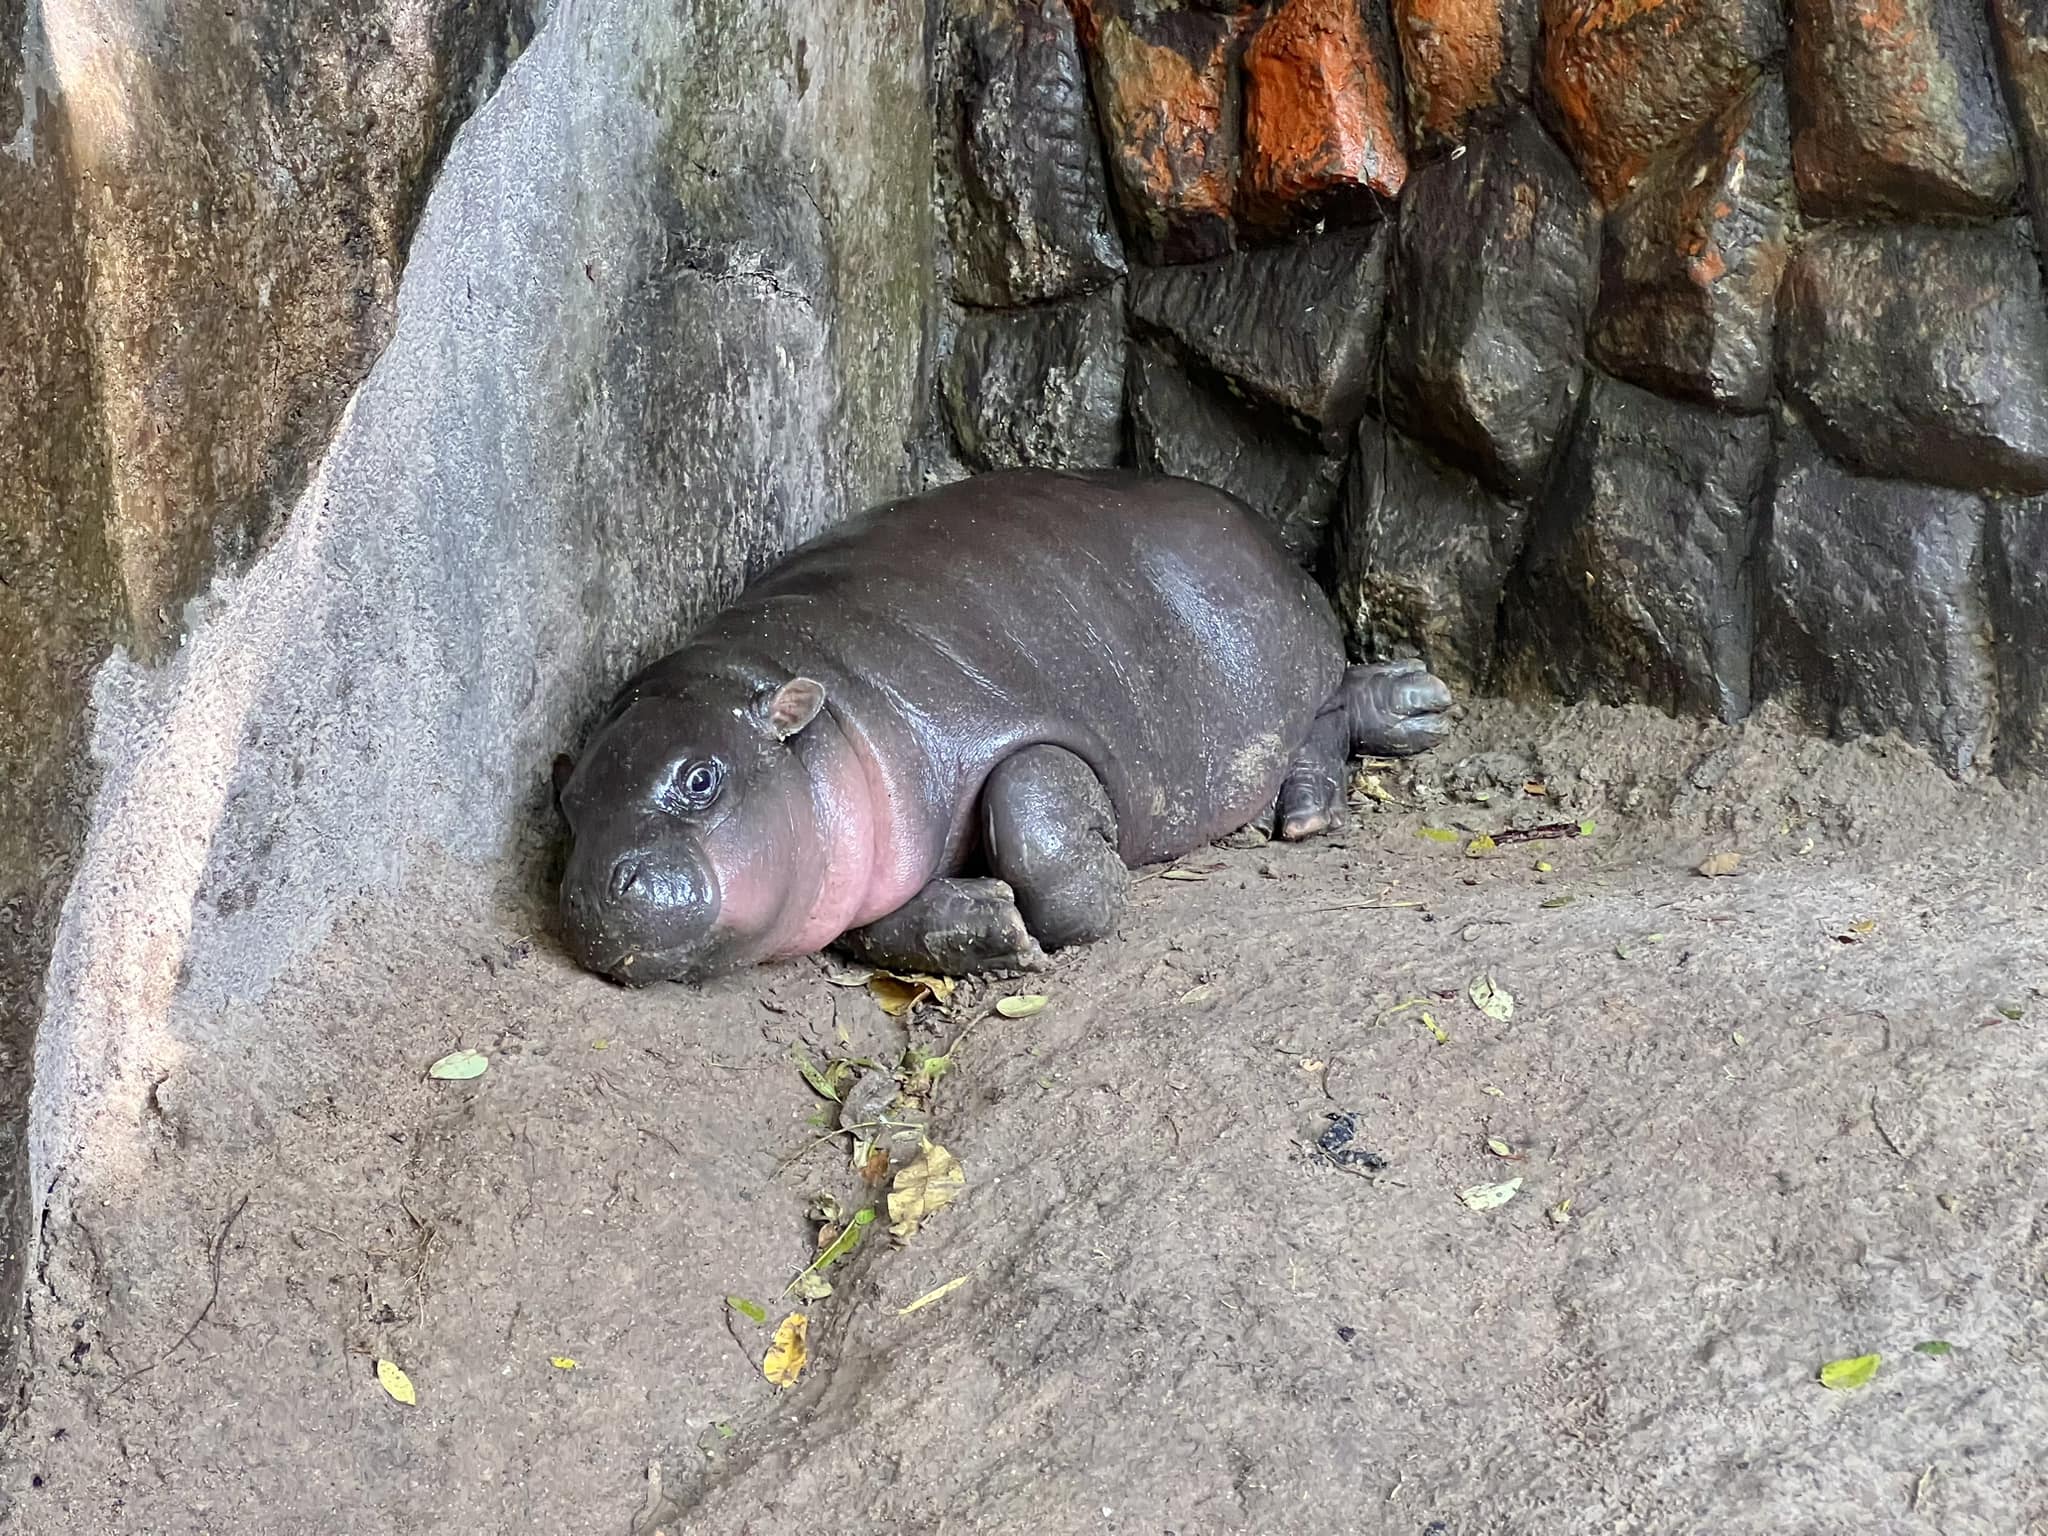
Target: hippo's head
[693,826]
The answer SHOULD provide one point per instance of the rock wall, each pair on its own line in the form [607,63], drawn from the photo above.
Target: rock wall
[394,376]
[1692,353]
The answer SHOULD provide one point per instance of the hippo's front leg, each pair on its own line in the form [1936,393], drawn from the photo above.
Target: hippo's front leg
[955,926]
[1395,708]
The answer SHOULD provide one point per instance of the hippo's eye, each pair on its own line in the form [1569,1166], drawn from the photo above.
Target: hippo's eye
[697,785]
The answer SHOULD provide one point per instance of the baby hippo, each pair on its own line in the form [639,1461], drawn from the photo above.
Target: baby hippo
[939,735]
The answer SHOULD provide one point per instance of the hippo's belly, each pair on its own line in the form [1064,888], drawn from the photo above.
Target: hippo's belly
[1152,626]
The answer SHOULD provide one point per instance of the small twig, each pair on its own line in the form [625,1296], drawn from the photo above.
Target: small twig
[1367,906]
[219,1243]
[1548,832]
[844,1130]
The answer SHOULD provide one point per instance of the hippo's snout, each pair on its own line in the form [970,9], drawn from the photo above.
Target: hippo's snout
[640,914]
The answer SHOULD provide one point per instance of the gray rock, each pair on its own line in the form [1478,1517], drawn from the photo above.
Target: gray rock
[1922,353]
[1042,387]
[1690,266]
[1870,615]
[1493,279]
[1420,553]
[1180,428]
[2020,28]
[1297,322]
[1636,585]
[2017,560]
[1026,201]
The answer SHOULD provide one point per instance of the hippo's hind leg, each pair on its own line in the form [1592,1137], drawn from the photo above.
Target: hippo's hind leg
[1395,708]
[955,926]
[1313,791]
[1048,828]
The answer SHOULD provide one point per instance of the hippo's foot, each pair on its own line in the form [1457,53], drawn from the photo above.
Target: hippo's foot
[1312,794]
[1049,830]
[953,927]
[1395,708]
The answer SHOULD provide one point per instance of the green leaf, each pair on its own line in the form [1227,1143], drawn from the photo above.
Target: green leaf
[1480,847]
[2012,1011]
[1845,1375]
[1496,1002]
[1585,829]
[460,1066]
[813,1076]
[753,1312]
[842,1245]
[1429,1023]
[1437,834]
[1498,1147]
[1022,1006]
[1936,1347]
[1556,902]
[1485,1197]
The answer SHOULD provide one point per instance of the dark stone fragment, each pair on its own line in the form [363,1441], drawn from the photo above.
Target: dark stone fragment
[1040,387]
[1897,109]
[1636,587]
[2021,29]
[1296,323]
[1691,263]
[2017,556]
[1026,201]
[1922,352]
[1869,615]
[1338,1143]
[1419,557]
[1181,428]
[1490,290]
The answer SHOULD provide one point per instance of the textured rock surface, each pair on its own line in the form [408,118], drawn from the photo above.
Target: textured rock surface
[1180,428]
[1461,62]
[1494,277]
[1871,617]
[1692,258]
[1630,81]
[1419,556]
[2021,30]
[662,316]
[1923,353]
[1044,386]
[1637,585]
[1026,202]
[1297,323]
[1322,138]
[1897,109]
[2017,558]
[1167,94]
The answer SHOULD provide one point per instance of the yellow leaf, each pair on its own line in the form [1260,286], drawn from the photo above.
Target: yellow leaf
[459,1066]
[562,1362]
[1560,1214]
[1498,1147]
[600,1045]
[1496,1002]
[790,1352]
[935,1295]
[397,1383]
[1843,1375]
[1429,1023]
[1545,867]
[1480,847]
[1437,834]
[925,1184]
[899,994]
[1177,873]
[1022,1006]
[1369,785]
[1485,1197]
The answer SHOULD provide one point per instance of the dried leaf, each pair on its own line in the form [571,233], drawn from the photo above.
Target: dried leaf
[1556,902]
[460,1066]
[811,1286]
[1935,1347]
[1717,866]
[1177,873]
[1486,1197]
[1496,1002]
[937,1294]
[562,1362]
[1491,1092]
[1560,1214]
[1437,834]
[899,994]
[858,977]
[1535,787]
[1739,1038]
[1857,932]
[397,1383]
[1844,1375]
[1022,1006]
[789,1354]
[1369,785]
[927,1183]
[2012,1011]
[1201,994]
[1480,847]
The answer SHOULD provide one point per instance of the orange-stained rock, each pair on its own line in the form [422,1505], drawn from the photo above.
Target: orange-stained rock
[1320,132]
[1167,96]
[1462,60]
[1632,79]
[2022,30]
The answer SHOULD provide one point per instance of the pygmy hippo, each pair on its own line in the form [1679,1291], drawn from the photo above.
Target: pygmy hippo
[940,734]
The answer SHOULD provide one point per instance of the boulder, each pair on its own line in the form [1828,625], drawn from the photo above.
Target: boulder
[1922,352]
[1419,555]
[1897,110]
[1297,323]
[2021,30]
[1040,387]
[1020,167]
[1464,63]
[1179,427]
[1493,280]
[1636,585]
[1321,136]
[1692,258]
[2016,554]
[1871,617]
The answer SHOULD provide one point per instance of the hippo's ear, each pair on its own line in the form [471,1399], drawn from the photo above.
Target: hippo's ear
[793,706]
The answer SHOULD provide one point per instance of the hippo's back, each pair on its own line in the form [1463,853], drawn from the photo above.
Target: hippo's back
[1153,626]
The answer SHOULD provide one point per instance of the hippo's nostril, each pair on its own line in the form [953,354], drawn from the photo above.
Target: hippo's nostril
[625,875]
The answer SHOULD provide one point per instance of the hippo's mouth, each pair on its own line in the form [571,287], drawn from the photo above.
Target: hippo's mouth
[643,916]
[644,967]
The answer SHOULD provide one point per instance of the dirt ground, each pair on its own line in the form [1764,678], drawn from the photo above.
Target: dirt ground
[1798,1115]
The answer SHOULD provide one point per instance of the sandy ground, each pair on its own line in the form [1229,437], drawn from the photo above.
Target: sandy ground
[1798,1114]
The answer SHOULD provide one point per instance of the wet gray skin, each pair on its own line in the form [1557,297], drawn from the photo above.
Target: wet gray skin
[940,734]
